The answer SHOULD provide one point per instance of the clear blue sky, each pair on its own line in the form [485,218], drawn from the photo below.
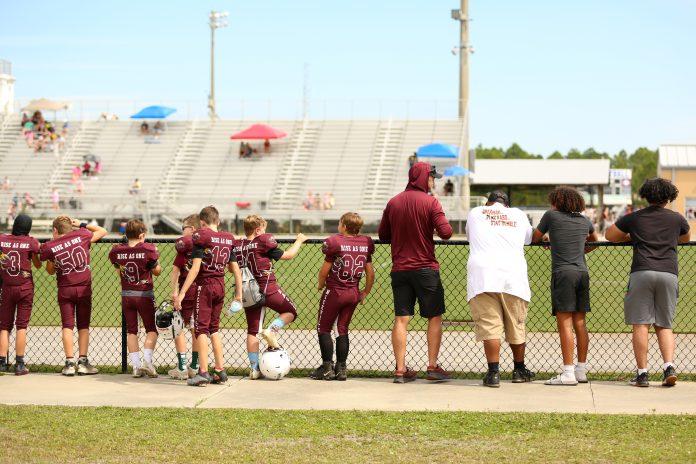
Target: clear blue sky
[548,74]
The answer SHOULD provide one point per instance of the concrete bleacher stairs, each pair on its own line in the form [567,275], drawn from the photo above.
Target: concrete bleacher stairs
[194,163]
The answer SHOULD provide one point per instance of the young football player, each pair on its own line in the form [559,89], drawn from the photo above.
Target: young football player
[137,263]
[212,253]
[18,251]
[180,269]
[257,252]
[348,256]
[67,257]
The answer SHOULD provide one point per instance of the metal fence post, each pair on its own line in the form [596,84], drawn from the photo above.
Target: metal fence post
[124,345]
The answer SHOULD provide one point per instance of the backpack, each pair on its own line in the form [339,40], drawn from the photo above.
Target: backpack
[251,292]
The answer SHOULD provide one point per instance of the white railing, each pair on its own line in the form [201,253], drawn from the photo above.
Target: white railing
[264,110]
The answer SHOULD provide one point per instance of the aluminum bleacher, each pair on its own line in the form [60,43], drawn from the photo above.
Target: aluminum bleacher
[194,163]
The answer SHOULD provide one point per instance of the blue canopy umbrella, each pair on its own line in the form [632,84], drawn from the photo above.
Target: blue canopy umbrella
[438,150]
[456,171]
[154,112]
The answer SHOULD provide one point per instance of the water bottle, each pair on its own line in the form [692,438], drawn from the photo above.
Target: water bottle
[234,308]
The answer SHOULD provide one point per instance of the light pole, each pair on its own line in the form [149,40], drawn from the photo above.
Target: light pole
[464,48]
[217,21]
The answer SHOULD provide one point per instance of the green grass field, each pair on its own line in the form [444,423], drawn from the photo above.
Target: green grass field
[57,434]
[609,267]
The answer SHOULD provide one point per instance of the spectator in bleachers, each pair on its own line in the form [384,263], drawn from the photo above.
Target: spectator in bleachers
[316,202]
[28,132]
[135,187]
[55,200]
[266,146]
[29,201]
[144,128]
[97,168]
[76,173]
[25,119]
[87,168]
[449,188]
[329,201]
[307,203]
[16,201]
[158,127]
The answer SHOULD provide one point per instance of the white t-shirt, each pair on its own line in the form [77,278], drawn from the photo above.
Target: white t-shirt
[496,264]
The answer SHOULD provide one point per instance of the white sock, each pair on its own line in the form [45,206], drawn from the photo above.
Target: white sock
[147,354]
[642,371]
[581,366]
[569,369]
[666,365]
[135,359]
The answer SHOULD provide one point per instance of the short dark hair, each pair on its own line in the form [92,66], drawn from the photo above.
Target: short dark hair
[134,228]
[498,196]
[658,191]
[210,215]
[567,199]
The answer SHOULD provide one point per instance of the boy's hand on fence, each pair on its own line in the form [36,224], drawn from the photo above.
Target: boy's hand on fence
[301,238]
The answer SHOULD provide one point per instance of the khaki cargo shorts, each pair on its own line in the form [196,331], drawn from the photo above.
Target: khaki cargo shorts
[498,313]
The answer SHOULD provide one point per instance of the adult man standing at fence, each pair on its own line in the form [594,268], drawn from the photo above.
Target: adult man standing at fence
[653,287]
[497,285]
[408,223]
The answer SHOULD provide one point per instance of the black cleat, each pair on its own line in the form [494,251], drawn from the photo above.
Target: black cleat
[218,376]
[341,372]
[522,375]
[640,380]
[492,379]
[202,378]
[21,369]
[669,377]
[4,367]
[323,372]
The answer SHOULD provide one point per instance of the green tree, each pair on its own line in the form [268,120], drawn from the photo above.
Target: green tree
[556,155]
[489,153]
[620,160]
[643,161]
[574,153]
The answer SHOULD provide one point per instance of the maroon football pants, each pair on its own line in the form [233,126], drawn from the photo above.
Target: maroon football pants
[15,306]
[336,306]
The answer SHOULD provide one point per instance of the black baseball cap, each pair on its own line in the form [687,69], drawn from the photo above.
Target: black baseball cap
[434,174]
[498,196]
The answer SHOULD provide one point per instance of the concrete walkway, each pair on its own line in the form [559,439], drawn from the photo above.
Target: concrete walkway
[361,394]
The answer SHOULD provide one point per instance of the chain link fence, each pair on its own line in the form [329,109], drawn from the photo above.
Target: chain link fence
[610,340]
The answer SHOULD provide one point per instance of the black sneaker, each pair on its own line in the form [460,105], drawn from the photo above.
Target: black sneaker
[492,379]
[202,378]
[21,369]
[4,367]
[323,372]
[640,380]
[669,377]
[218,376]
[341,372]
[522,375]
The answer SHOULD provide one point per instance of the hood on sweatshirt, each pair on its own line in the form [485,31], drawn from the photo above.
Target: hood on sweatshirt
[418,177]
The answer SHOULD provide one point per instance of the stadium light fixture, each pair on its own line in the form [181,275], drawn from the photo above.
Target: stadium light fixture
[217,20]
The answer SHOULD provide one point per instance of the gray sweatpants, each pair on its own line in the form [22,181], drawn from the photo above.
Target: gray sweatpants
[651,298]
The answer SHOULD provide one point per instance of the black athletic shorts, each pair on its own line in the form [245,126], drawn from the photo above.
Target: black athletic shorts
[423,285]
[570,291]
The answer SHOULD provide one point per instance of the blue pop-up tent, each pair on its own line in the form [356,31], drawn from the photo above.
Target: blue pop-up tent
[154,112]
[437,150]
[456,171]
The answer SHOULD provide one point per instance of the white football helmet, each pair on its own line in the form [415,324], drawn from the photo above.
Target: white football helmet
[275,364]
[169,323]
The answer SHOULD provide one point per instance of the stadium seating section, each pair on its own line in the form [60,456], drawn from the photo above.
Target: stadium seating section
[362,162]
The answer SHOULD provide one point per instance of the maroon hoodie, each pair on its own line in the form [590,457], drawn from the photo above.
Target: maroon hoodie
[409,221]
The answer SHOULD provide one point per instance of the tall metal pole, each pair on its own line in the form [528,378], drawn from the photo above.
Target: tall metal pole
[217,20]
[462,15]
[211,96]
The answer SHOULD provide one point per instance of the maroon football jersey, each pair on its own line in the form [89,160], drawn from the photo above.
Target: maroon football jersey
[184,250]
[70,253]
[136,264]
[349,256]
[215,248]
[257,254]
[15,259]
